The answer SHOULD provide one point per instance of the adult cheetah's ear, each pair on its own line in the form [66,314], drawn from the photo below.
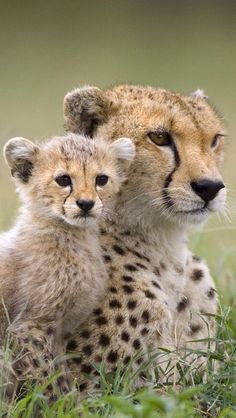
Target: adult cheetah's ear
[19,154]
[123,150]
[84,109]
[199,94]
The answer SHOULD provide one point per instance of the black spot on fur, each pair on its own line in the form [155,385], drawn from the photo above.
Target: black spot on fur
[131,304]
[112,356]
[146,316]
[211,293]
[195,328]
[127,279]
[87,349]
[86,368]
[125,336]
[118,249]
[130,267]
[114,303]
[104,340]
[119,320]
[142,266]
[156,284]
[133,321]
[197,275]
[83,386]
[156,271]
[136,344]
[128,289]
[107,258]
[103,231]
[85,334]
[141,256]
[72,345]
[144,331]
[113,289]
[97,311]
[149,294]
[127,360]
[182,304]
[101,320]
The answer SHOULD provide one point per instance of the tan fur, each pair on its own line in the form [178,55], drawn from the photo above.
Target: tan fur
[51,269]
[159,294]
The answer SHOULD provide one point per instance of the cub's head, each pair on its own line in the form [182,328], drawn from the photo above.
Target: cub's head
[73,178]
[179,148]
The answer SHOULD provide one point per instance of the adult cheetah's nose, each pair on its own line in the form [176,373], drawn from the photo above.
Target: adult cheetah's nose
[207,189]
[85,205]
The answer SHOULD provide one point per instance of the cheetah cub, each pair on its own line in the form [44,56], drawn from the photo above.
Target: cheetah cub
[51,268]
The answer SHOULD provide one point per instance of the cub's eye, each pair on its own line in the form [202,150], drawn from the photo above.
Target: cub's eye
[63,180]
[160,138]
[101,180]
[216,141]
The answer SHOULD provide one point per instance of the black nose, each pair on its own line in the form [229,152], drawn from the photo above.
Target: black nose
[207,189]
[85,205]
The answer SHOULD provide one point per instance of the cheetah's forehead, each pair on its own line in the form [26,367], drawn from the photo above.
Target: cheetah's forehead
[75,147]
[148,100]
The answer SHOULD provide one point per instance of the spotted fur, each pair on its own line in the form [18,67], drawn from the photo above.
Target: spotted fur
[52,273]
[159,295]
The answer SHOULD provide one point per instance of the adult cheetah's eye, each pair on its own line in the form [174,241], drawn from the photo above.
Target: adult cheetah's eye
[160,138]
[63,180]
[101,180]
[216,140]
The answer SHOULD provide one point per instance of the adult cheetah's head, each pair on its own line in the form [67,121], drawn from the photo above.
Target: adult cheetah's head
[179,142]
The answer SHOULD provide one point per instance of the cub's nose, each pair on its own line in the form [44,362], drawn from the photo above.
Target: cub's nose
[85,205]
[207,189]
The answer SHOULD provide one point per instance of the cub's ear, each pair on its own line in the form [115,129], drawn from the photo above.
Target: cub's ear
[124,150]
[84,109]
[19,154]
[199,94]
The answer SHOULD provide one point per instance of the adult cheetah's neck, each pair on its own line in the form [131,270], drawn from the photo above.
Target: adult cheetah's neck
[166,241]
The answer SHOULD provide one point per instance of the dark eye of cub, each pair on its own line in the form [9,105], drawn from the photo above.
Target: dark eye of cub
[101,180]
[63,180]
[160,138]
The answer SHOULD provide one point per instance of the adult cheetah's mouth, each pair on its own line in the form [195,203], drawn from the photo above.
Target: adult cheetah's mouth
[199,211]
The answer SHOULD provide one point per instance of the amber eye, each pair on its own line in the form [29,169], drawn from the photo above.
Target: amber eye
[63,180]
[215,141]
[160,138]
[101,180]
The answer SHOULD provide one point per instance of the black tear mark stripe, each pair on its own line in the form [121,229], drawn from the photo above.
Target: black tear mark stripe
[168,180]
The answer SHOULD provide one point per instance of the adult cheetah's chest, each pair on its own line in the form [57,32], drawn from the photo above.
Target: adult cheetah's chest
[137,266]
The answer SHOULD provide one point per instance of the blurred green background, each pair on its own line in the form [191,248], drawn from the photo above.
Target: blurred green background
[48,48]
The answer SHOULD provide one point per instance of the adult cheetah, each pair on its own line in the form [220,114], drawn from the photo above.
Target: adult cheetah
[159,294]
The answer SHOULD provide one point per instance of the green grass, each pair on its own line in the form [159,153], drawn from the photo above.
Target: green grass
[182,45]
[194,394]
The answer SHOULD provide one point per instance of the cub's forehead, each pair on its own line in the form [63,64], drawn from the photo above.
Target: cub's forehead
[73,148]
